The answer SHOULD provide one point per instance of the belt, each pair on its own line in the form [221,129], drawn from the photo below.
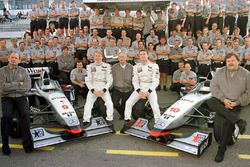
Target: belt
[205,64]
[73,17]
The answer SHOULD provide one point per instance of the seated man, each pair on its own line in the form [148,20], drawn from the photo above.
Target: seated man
[77,77]
[145,80]
[188,77]
[230,89]
[98,80]
[65,65]
[176,85]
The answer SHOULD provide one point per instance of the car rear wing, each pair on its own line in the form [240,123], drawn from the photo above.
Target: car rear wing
[36,72]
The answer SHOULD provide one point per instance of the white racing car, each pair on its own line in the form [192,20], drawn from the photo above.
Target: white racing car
[49,104]
[185,111]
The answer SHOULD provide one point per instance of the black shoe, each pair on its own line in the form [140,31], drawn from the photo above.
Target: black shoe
[109,122]
[28,146]
[158,88]
[165,88]
[85,124]
[219,156]
[242,125]
[6,149]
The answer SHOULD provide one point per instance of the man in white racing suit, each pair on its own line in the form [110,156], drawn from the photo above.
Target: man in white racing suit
[145,80]
[98,80]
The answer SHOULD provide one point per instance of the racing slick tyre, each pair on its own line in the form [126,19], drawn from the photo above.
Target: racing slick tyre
[218,128]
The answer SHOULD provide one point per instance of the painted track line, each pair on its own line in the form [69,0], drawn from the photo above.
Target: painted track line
[143,153]
[20,146]
[244,156]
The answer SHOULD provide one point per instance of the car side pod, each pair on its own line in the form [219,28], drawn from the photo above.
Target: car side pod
[43,137]
[195,144]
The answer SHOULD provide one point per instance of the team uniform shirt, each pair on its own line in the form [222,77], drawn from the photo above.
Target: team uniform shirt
[206,10]
[129,51]
[32,15]
[159,21]
[148,25]
[174,14]
[172,39]
[106,22]
[111,53]
[152,39]
[24,53]
[90,38]
[78,75]
[13,49]
[231,8]
[188,76]
[138,21]
[181,14]
[163,47]
[117,20]
[152,54]
[128,21]
[214,9]
[219,52]
[177,75]
[191,6]
[243,6]
[52,12]
[245,53]
[203,54]
[43,12]
[51,52]
[64,11]
[228,49]
[84,14]
[203,39]
[73,11]
[82,40]
[37,52]
[239,52]
[190,50]
[176,51]
[96,19]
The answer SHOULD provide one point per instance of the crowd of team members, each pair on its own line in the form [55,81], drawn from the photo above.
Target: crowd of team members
[59,46]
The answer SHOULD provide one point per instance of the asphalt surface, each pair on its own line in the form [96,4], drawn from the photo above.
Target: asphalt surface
[94,151]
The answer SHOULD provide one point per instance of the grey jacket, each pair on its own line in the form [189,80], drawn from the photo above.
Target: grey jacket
[235,87]
[14,82]
[122,77]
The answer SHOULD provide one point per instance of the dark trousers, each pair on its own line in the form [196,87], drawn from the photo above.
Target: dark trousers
[230,23]
[204,24]
[54,69]
[9,107]
[161,33]
[230,117]
[197,24]
[217,65]
[220,23]
[189,23]
[119,100]
[173,67]
[203,70]
[242,24]
[211,21]
[116,33]
[64,77]
[176,87]
[41,24]
[73,23]
[33,26]
[81,54]
[85,23]
[80,91]
[171,25]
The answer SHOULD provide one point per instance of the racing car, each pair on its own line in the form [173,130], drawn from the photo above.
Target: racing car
[184,111]
[50,104]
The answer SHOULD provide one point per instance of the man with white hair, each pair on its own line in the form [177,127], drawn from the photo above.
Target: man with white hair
[122,86]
